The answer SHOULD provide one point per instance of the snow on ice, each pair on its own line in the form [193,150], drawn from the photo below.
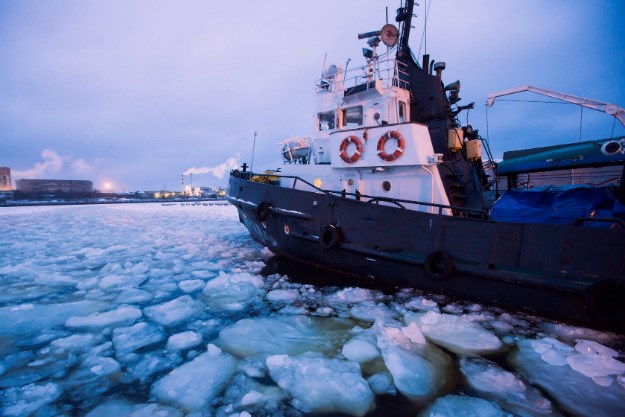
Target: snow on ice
[128,310]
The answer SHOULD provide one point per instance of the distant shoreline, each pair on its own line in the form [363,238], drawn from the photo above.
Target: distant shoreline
[82,202]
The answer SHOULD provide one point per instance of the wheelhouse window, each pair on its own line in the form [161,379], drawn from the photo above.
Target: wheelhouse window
[352,116]
[326,120]
[402,112]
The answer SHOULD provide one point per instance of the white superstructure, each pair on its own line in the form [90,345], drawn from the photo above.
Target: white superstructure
[362,142]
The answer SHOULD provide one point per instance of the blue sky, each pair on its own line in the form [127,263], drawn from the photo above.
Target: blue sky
[137,92]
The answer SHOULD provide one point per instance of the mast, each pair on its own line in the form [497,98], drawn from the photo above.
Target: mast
[404,14]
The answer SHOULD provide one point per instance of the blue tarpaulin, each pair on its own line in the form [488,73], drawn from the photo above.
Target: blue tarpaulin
[558,205]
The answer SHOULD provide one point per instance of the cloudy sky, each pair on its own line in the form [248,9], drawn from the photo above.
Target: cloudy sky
[136,92]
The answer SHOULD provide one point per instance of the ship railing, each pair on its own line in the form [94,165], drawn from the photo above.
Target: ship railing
[369,199]
[389,71]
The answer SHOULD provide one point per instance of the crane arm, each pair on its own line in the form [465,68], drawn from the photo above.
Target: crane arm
[611,109]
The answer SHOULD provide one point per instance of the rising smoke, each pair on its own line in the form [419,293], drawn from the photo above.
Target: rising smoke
[219,171]
[52,162]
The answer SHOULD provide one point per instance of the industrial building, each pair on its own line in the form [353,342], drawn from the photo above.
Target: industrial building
[54,186]
[5,179]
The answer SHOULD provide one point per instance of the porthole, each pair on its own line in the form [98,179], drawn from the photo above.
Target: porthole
[386,186]
[350,182]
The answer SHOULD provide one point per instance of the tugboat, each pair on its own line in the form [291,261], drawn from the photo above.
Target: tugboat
[390,186]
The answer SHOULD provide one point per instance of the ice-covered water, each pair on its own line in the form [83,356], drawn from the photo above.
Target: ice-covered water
[143,309]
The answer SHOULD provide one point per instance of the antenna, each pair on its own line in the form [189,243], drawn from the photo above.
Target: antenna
[425,26]
[254,145]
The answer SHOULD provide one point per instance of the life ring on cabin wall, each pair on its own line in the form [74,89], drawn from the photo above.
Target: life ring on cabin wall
[356,155]
[399,151]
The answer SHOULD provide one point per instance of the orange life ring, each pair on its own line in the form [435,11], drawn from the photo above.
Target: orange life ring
[401,145]
[356,155]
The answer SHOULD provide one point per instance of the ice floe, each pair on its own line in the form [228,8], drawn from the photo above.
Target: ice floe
[572,390]
[184,340]
[460,405]
[122,315]
[129,339]
[508,390]
[319,384]
[456,333]
[232,292]
[196,383]
[284,335]
[24,401]
[175,311]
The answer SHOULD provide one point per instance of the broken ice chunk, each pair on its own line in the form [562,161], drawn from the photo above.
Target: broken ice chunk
[175,311]
[285,296]
[232,292]
[289,335]
[195,384]
[122,315]
[419,370]
[362,348]
[495,383]
[320,384]
[382,383]
[75,342]
[129,339]
[119,408]
[594,365]
[24,401]
[184,340]
[22,321]
[459,405]
[574,392]
[456,333]
[590,347]
[191,285]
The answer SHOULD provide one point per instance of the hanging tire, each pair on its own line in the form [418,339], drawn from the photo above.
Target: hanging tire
[330,237]
[438,265]
[262,211]
[605,302]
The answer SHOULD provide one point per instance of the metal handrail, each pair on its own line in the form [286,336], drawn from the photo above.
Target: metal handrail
[391,72]
[371,199]
[581,220]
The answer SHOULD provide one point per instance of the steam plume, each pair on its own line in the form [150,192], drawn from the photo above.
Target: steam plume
[219,171]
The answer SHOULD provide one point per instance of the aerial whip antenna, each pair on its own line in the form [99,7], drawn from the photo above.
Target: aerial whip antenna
[253,148]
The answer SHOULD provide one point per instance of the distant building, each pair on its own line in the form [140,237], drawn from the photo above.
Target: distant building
[54,186]
[5,179]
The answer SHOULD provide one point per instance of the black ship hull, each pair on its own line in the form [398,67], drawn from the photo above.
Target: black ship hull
[567,272]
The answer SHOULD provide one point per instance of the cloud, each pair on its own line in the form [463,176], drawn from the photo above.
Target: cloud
[219,171]
[80,166]
[52,162]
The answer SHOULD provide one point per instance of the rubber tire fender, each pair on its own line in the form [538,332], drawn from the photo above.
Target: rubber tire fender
[330,237]
[262,211]
[438,265]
